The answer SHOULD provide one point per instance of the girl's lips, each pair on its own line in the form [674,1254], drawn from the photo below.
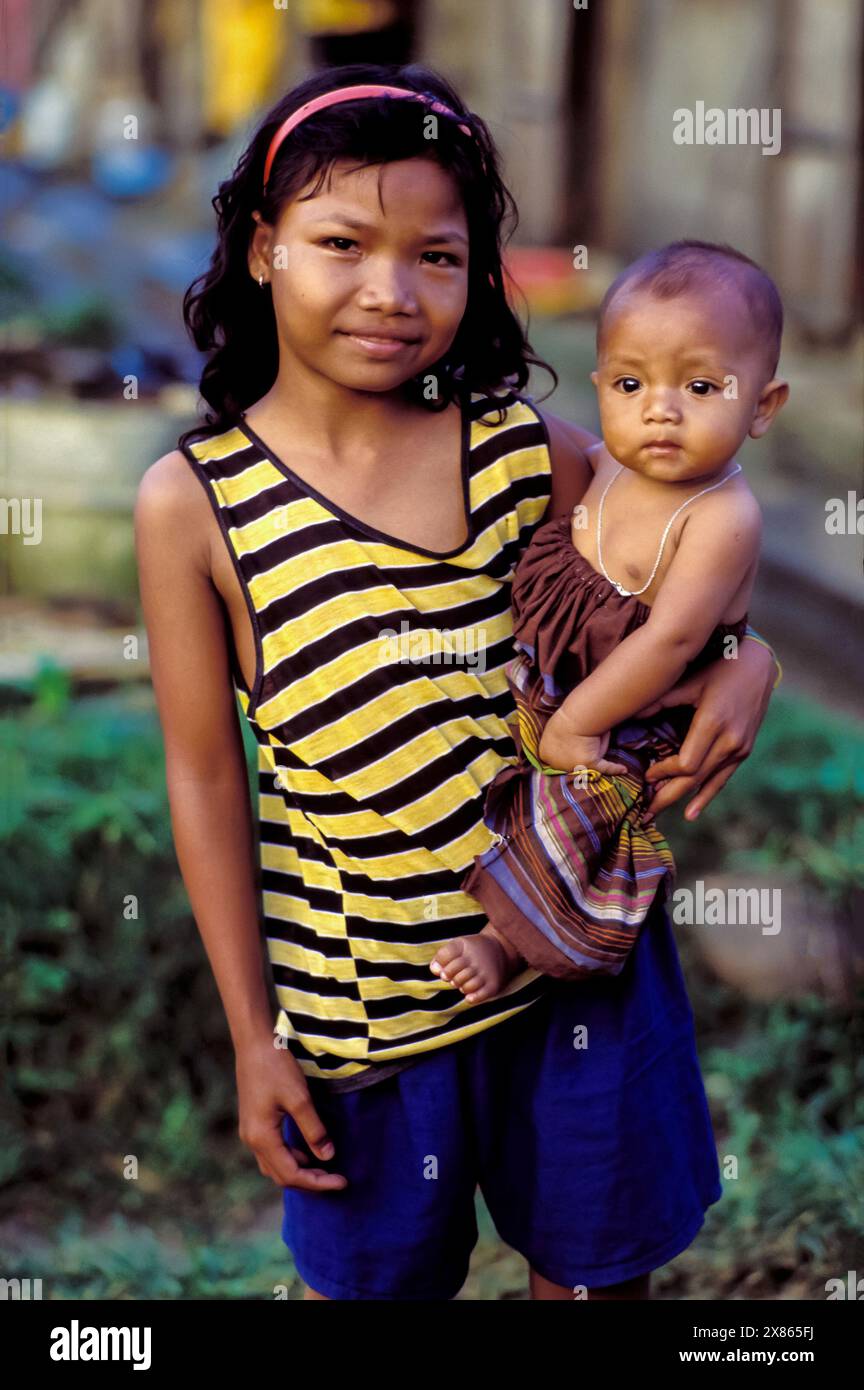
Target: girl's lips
[383,348]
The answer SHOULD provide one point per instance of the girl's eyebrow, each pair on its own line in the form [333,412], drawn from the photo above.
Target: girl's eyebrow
[346,220]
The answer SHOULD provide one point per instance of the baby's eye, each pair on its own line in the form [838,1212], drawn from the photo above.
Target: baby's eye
[701,387]
[628,384]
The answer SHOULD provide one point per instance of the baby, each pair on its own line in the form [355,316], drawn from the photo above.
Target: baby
[651,577]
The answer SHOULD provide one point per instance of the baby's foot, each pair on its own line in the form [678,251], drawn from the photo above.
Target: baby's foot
[478,965]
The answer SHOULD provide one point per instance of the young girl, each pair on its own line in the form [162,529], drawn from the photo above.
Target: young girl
[578,861]
[370,468]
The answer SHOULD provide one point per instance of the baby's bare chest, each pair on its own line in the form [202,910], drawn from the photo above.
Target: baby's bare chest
[633,543]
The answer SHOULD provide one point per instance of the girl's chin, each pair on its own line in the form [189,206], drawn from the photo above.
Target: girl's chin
[376,383]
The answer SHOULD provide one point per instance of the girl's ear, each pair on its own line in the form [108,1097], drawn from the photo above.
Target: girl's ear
[594,378]
[260,247]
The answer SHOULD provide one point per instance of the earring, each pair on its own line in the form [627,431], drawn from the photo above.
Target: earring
[260,282]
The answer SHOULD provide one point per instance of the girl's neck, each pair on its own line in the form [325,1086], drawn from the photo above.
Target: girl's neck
[331,421]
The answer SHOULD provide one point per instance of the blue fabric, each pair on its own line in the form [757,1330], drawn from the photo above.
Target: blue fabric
[596,1163]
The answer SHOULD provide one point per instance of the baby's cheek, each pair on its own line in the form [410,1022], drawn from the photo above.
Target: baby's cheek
[721,428]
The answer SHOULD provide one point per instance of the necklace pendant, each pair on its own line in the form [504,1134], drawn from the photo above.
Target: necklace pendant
[625,593]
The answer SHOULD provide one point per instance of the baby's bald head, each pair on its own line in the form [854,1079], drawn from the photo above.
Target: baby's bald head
[688,267]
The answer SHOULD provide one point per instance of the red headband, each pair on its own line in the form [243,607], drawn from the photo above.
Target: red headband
[349,94]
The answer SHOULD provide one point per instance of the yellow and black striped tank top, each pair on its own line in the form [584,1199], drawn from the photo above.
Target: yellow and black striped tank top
[380,708]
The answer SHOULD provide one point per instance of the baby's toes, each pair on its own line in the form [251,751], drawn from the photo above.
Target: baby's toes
[479,989]
[448,959]
[462,978]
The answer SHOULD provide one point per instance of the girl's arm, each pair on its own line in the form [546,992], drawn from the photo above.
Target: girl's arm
[731,699]
[208,791]
[572,464]
[718,548]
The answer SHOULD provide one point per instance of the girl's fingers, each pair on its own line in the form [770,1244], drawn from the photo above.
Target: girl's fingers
[301,1159]
[279,1162]
[706,783]
[650,803]
[663,768]
[670,792]
[317,1180]
[697,757]
[611,769]
[709,790]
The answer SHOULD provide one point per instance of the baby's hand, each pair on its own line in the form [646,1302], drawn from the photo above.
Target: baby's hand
[561,748]
[478,965]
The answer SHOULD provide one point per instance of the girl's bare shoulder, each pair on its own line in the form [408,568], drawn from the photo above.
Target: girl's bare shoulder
[568,442]
[170,504]
[571,461]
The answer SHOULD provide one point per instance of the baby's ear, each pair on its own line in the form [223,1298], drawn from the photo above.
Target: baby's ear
[594,378]
[772,397]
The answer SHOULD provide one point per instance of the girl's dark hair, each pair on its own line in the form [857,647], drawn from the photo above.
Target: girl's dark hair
[231,319]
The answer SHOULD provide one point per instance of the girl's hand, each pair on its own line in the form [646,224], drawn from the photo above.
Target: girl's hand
[561,748]
[269,1084]
[731,698]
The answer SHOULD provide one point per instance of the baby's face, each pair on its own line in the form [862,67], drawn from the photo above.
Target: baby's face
[678,381]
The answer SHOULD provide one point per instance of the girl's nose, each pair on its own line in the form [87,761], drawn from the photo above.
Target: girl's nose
[386,287]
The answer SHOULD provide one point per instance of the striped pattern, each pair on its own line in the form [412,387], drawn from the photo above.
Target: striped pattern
[574,872]
[379,705]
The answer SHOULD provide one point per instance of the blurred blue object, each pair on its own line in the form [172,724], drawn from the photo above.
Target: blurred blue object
[61,288]
[131,170]
[176,258]
[70,213]
[10,105]
[150,368]
[16,186]
[127,359]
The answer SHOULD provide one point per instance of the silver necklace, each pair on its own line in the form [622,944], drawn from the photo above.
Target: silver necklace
[632,593]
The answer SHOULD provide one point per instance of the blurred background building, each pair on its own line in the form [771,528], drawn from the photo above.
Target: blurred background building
[109,109]
[119,122]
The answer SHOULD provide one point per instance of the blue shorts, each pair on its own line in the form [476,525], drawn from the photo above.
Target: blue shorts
[596,1162]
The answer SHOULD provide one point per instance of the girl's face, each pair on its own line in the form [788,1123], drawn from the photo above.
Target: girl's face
[368,289]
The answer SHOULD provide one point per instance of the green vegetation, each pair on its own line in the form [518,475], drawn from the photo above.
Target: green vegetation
[796,802]
[116,1043]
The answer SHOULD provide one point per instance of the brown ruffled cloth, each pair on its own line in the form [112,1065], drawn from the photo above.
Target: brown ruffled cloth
[574,872]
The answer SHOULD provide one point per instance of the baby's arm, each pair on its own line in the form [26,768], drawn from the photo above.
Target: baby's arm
[717,550]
